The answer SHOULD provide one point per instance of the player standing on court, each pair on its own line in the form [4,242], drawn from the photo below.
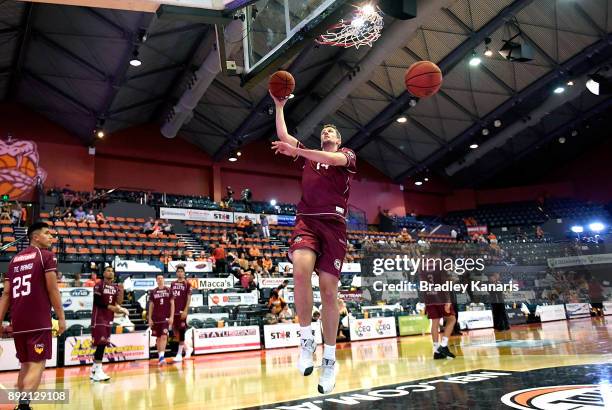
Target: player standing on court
[108,297]
[161,315]
[181,291]
[30,289]
[319,237]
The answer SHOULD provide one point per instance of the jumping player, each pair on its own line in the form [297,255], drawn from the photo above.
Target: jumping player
[30,289]
[161,315]
[319,237]
[181,291]
[108,297]
[438,305]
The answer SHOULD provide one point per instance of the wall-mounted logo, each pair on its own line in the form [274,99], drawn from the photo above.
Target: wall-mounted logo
[579,397]
[20,170]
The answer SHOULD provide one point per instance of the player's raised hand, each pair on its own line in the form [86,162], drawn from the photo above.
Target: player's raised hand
[284,148]
[278,102]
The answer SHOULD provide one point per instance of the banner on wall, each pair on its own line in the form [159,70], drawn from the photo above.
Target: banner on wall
[602,258]
[231,299]
[191,266]
[290,298]
[480,229]
[74,299]
[372,328]
[273,283]
[256,218]
[8,358]
[79,350]
[203,215]
[226,339]
[137,266]
[287,335]
[549,313]
[216,283]
[414,325]
[476,319]
[349,267]
[351,295]
[577,310]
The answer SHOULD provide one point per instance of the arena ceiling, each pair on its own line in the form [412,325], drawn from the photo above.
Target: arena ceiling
[71,64]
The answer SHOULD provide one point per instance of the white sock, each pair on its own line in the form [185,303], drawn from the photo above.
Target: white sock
[435,347]
[180,349]
[160,355]
[306,332]
[329,352]
[96,366]
[444,341]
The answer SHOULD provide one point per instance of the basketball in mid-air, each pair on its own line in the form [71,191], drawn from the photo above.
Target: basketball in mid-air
[281,84]
[423,79]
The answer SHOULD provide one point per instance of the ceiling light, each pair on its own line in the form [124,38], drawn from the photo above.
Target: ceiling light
[562,140]
[401,119]
[233,157]
[559,90]
[475,60]
[135,61]
[598,84]
[426,179]
[497,123]
[412,102]
[485,131]
[238,153]
[570,83]
[574,133]
[418,183]
[100,134]
[474,146]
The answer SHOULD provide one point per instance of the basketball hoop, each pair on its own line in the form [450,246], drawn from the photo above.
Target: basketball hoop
[363,30]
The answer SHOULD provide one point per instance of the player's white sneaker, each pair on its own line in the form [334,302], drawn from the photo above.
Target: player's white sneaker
[327,379]
[188,352]
[306,361]
[178,358]
[99,376]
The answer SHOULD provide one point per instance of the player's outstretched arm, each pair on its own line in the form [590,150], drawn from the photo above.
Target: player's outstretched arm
[56,300]
[330,158]
[281,126]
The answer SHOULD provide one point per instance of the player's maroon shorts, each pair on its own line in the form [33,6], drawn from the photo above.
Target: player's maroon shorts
[101,335]
[437,311]
[33,346]
[159,329]
[178,324]
[326,237]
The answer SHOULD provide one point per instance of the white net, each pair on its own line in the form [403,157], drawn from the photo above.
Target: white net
[364,29]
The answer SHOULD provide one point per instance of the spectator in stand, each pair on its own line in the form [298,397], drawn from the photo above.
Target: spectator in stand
[24,216]
[265,226]
[157,229]
[147,228]
[69,217]
[246,280]
[285,315]
[254,252]
[240,226]
[282,289]
[539,233]
[275,300]
[405,236]
[79,214]
[266,263]
[234,237]
[453,234]
[275,271]
[224,239]
[167,228]
[316,316]
[100,218]
[218,253]
[16,214]
[288,270]
[91,282]
[249,228]
[492,238]
[242,261]
[90,217]
[128,288]
[5,214]
[189,256]
[77,280]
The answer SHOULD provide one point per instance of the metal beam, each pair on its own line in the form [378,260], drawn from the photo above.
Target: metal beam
[127,34]
[543,83]
[182,29]
[210,122]
[20,52]
[396,150]
[173,67]
[246,103]
[79,60]
[87,110]
[588,19]
[111,114]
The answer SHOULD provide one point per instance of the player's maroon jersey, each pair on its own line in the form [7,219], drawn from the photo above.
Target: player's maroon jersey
[326,188]
[161,303]
[30,304]
[181,291]
[108,294]
[436,277]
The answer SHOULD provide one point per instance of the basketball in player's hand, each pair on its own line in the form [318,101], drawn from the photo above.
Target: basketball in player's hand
[281,84]
[423,79]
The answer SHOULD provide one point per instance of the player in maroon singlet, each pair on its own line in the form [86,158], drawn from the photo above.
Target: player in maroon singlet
[108,297]
[181,291]
[438,305]
[30,290]
[161,315]
[319,237]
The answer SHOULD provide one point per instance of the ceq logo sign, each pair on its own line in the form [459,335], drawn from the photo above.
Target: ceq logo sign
[579,397]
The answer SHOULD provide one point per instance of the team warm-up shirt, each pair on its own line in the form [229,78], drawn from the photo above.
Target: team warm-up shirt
[108,294]
[181,291]
[161,303]
[326,188]
[29,301]
[435,297]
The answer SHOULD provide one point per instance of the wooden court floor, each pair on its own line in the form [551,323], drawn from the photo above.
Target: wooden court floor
[251,379]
